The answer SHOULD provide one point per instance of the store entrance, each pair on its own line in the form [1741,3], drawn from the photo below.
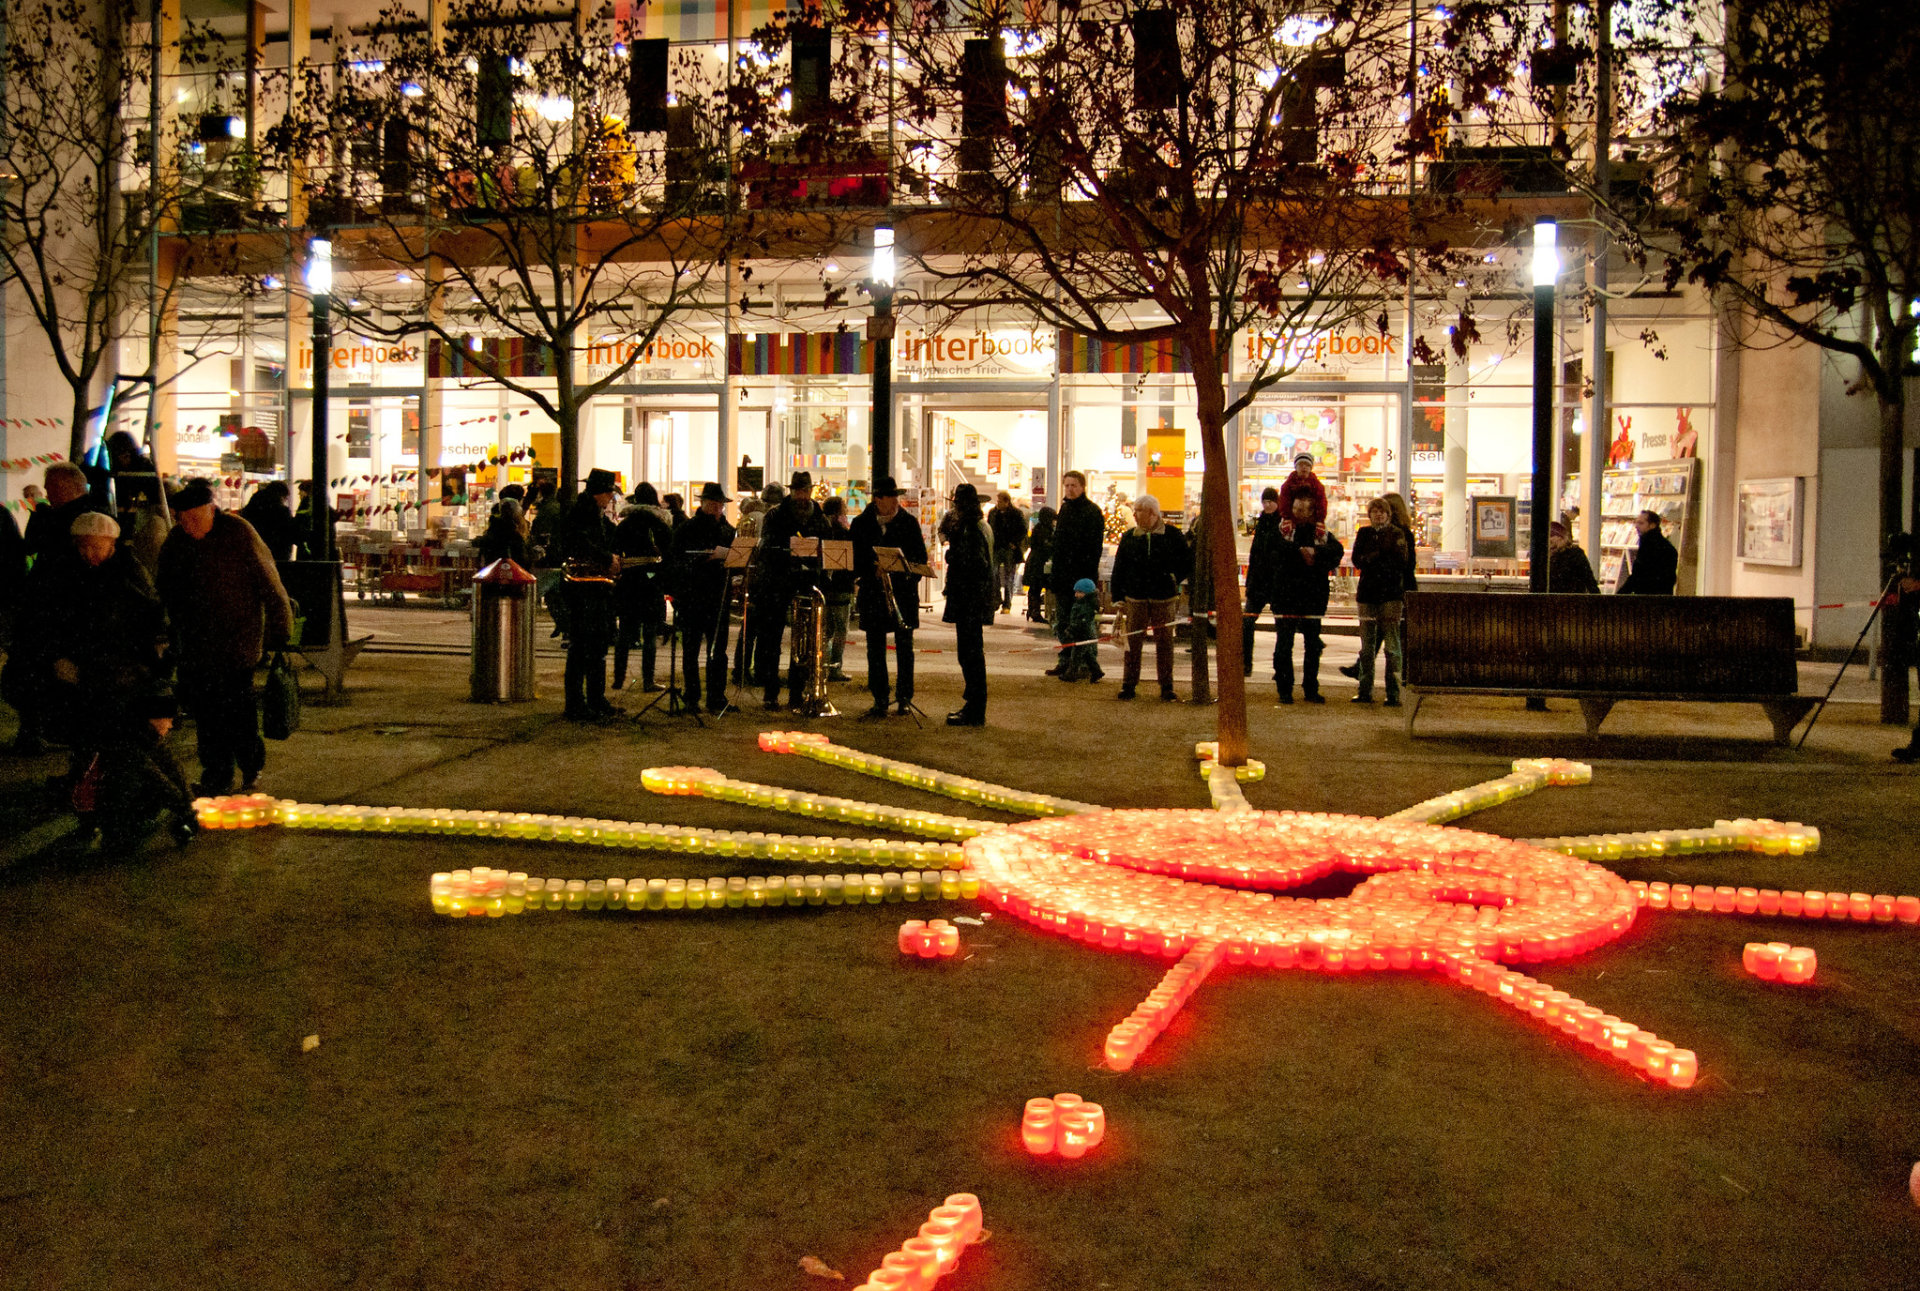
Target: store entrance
[668,439]
[994,440]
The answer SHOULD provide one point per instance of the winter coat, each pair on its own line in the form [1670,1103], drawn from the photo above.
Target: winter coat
[48,529]
[107,621]
[1083,619]
[587,547]
[502,541]
[1656,567]
[1384,558]
[1151,564]
[970,591]
[1079,535]
[1039,552]
[1311,487]
[903,531]
[701,580]
[1009,527]
[1301,588]
[273,522]
[1568,570]
[781,574]
[641,593]
[1263,559]
[223,595]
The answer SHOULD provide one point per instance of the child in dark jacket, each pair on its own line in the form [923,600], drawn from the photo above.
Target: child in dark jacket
[1083,625]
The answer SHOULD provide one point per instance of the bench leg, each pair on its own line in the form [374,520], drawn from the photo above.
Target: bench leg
[1785,714]
[1595,711]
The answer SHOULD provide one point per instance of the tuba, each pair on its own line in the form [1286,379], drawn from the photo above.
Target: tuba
[810,652]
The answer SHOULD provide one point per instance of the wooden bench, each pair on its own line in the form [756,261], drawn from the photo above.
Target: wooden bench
[324,642]
[1599,650]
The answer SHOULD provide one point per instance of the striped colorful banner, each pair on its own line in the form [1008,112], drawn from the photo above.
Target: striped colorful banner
[703,19]
[799,354]
[507,357]
[1080,353]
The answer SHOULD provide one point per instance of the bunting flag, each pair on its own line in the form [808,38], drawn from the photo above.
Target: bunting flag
[1080,353]
[796,354]
[704,19]
[29,463]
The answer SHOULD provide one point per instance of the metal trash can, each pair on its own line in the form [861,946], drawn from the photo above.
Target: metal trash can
[502,634]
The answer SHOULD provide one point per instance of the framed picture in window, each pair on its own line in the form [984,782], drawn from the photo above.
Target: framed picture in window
[1767,529]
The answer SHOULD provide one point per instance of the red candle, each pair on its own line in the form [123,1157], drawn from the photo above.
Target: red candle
[1798,965]
[1907,909]
[1682,1066]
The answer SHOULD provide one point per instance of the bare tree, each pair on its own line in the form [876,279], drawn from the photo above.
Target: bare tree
[1189,173]
[1798,198]
[90,192]
[502,161]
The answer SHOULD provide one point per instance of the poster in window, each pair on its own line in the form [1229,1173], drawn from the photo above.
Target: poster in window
[1494,526]
[1768,528]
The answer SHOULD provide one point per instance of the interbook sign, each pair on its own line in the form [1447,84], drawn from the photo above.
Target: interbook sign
[1317,351]
[380,362]
[1007,352]
[672,356]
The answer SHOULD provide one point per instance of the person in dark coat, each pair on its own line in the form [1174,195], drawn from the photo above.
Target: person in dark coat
[885,524]
[838,585]
[971,598]
[1034,572]
[1383,553]
[68,497]
[676,509]
[1079,535]
[505,537]
[591,563]
[1009,525]
[1303,574]
[1568,569]
[101,633]
[135,481]
[270,517]
[782,577]
[644,537]
[700,601]
[226,608]
[1656,564]
[1152,562]
[1263,562]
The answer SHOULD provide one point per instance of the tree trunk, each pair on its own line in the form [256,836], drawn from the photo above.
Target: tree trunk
[77,427]
[1894,708]
[1231,713]
[567,420]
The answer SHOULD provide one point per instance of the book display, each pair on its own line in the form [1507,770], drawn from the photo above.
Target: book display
[1665,488]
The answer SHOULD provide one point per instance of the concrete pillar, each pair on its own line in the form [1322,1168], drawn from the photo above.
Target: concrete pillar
[1453,496]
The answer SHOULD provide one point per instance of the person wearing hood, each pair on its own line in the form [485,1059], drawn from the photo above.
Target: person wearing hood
[1302,581]
[1152,562]
[226,608]
[971,598]
[1079,537]
[1081,656]
[505,537]
[1034,572]
[592,563]
[885,524]
[643,538]
[272,519]
[781,578]
[102,637]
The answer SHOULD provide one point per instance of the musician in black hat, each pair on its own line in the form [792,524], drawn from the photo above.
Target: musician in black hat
[700,550]
[780,579]
[885,524]
[587,545]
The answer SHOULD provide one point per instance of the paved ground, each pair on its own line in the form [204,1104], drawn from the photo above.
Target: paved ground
[579,1101]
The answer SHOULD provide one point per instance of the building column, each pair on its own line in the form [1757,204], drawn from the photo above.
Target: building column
[1453,495]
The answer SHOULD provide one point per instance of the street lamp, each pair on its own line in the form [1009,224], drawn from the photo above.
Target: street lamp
[319,290]
[1546,272]
[880,283]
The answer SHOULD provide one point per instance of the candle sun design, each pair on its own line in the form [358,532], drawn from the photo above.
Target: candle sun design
[1198,887]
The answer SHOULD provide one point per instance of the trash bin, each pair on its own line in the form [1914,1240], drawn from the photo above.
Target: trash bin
[502,634]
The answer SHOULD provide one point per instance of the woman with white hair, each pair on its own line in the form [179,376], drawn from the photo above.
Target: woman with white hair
[1152,562]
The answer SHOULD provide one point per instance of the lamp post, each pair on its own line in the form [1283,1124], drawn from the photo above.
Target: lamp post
[880,283]
[1546,272]
[320,290]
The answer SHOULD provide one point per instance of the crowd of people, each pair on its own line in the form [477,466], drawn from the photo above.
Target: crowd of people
[129,600]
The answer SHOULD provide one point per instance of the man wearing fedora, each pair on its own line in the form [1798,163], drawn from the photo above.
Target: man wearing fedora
[587,543]
[781,578]
[885,524]
[700,554]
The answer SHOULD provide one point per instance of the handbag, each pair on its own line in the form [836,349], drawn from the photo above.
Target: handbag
[280,705]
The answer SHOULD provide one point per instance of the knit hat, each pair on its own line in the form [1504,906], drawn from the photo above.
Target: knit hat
[94,524]
[1303,456]
[194,493]
[1085,587]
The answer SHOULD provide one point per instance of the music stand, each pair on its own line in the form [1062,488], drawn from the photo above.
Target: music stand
[675,701]
[739,560]
[888,561]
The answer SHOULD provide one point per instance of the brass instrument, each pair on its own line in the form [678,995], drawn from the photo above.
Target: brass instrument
[810,652]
